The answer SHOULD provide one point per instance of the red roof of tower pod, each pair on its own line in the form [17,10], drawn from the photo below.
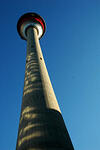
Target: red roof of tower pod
[33,17]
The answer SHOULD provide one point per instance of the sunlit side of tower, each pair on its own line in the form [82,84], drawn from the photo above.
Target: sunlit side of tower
[41,124]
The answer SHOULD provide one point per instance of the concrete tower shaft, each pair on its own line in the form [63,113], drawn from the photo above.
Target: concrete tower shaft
[41,124]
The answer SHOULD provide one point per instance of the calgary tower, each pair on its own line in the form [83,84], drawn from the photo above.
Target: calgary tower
[41,125]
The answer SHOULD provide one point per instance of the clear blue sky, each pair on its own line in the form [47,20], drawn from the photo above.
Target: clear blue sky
[71,48]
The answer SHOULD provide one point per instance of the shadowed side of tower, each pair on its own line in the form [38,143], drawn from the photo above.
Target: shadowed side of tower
[41,124]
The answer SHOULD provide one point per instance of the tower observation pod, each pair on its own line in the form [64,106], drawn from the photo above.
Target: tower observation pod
[41,125]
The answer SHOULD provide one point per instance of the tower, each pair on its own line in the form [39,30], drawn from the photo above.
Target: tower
[41,125]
